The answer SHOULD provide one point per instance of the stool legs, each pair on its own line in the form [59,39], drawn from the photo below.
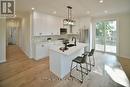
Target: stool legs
[89,64]
[86,68]
[81,73]
[71,67]
[93,61]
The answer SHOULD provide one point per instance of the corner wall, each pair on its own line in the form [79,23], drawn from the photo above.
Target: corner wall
[25,33]
[2,40]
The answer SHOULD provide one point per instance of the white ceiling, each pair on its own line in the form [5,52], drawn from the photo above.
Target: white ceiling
[80,7]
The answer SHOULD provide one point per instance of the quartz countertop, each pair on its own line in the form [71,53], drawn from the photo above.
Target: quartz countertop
[49,42]
[70,49]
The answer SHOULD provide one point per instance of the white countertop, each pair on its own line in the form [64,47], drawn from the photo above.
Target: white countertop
[49,42]
[70,49]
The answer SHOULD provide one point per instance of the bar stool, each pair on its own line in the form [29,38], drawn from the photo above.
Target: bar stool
[80,60]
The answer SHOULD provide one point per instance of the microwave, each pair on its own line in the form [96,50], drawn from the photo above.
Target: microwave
[63,31]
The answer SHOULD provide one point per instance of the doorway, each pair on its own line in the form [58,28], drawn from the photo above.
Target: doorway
[106,36]
[12,31]
[12,36]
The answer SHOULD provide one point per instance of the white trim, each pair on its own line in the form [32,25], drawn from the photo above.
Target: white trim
[31,33]
[26,52]
[3,41]
[3,61]
[106,52]
[124,57]
[118,38]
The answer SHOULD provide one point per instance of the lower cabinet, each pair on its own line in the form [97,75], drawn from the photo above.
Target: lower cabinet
[41,51]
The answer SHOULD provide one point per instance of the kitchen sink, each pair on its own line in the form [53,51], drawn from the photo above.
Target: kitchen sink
[70,45]
[63,49]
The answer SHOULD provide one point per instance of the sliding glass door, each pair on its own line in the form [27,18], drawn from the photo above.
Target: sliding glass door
[106,36]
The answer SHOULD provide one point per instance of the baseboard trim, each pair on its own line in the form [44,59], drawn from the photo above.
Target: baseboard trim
[26,53]
[2,61]
[124,57]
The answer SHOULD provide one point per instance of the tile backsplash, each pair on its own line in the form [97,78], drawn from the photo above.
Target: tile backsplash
[54,37]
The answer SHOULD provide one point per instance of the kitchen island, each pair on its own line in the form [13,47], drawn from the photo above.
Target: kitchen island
[60,61]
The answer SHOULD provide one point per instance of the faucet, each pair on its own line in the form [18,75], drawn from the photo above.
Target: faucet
[74,41]
[65,42]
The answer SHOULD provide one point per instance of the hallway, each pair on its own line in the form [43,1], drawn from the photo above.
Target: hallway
[20,71]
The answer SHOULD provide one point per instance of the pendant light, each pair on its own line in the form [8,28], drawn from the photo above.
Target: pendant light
[69,20]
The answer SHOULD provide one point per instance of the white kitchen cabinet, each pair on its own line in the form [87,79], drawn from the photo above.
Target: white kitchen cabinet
[75,30]
[41,51]
[39,24]
[44,24]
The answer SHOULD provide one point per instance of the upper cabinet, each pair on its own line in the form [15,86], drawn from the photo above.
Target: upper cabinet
[75,30]
[39,24]
[44,24]
[53,25]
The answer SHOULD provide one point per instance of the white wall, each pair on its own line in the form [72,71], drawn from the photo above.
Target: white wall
[25,33]
[2,40]
[124,26]
[83,22]
[123,29]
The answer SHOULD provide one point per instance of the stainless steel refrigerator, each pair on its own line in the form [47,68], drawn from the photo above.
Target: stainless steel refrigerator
[84,37]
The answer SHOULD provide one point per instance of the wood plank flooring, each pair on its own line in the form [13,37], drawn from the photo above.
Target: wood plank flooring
[20,71]
[126,65]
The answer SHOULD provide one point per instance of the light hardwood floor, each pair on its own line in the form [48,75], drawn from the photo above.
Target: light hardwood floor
[126,65]
[20,71]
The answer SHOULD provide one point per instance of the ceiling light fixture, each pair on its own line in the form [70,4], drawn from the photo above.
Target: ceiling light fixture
[105,11]
[69,20]
[88,12]
[54,12]
[33,8]
[101,1]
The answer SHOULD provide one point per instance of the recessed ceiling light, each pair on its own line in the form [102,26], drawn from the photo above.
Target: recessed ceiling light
[105,11]
[88,12]
[101,1]
[54,12]
[33,8]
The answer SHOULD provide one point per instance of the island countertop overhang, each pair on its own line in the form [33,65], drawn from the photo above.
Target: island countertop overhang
[70,49]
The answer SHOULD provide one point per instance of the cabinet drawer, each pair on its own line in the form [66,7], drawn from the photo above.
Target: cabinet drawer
[41,51]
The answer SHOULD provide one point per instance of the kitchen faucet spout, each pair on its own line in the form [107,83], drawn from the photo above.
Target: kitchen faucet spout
[74,41]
